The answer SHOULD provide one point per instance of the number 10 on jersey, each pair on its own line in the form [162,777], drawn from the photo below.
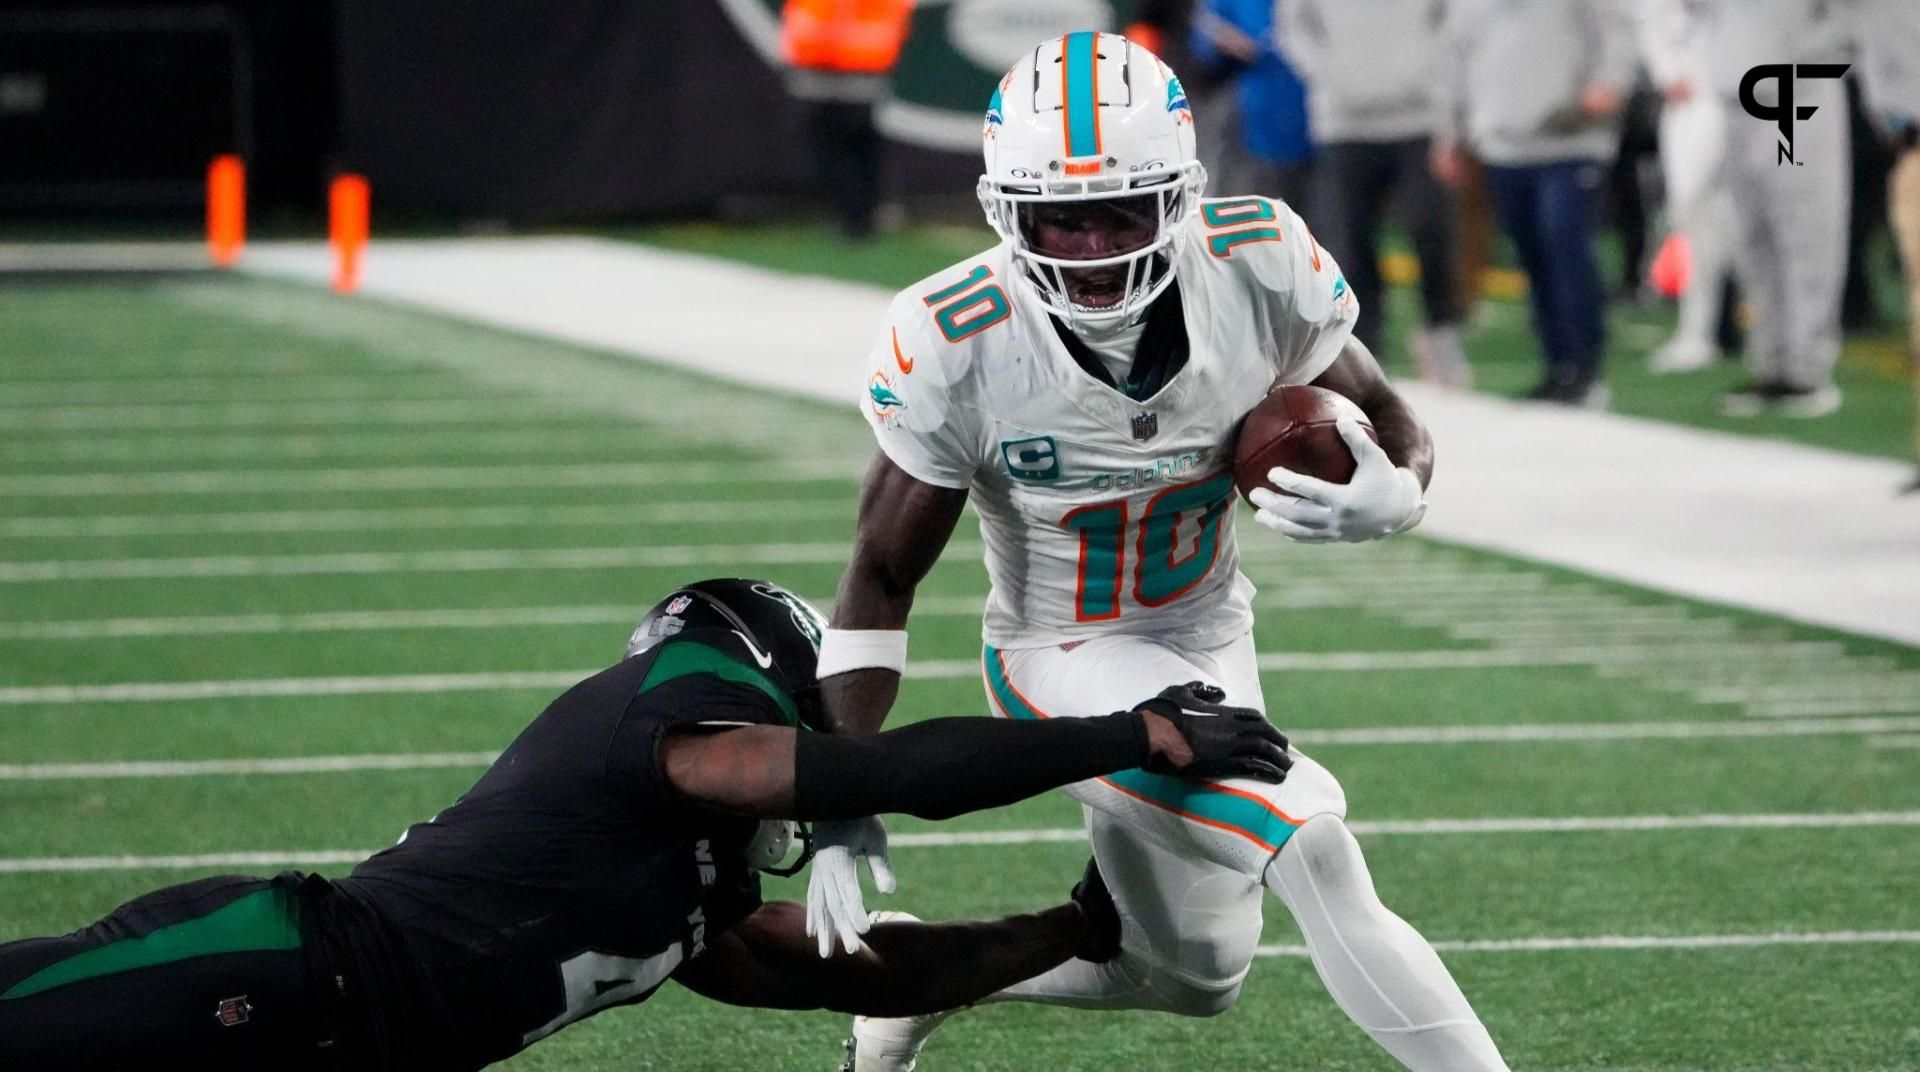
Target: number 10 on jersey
[1164,569]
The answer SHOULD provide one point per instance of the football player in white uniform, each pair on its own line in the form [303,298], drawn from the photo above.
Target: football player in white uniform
[1081,382]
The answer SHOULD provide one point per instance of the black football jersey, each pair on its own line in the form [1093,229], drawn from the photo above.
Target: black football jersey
[570,878]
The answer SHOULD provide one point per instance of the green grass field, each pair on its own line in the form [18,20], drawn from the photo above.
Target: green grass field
[235,483]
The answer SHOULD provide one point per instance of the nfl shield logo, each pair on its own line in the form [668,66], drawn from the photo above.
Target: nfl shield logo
[1146,426]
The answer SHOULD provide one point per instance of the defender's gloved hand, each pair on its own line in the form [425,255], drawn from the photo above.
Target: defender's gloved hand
[835,906]
[1379,501]
[1225,740]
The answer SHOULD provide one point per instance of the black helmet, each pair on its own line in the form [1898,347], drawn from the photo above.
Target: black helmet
[779,630]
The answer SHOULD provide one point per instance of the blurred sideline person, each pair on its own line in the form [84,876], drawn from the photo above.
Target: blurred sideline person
[1273,154]
[1789,219]
[1077,383]
[1536,88]
[615,844]
[1888,36]
[1693,148]
[1369,68]
[839,55]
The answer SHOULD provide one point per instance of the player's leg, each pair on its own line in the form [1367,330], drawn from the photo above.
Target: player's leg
[1578,294]
[1432,212]
[1188,932]
[1189,923]
[1810,203]
[1758,261]
[1381,972]
[210,974]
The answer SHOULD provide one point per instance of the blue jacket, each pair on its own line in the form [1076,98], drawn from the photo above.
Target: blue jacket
[1273,100]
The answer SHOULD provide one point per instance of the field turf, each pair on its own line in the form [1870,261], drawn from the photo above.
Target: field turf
[250,532]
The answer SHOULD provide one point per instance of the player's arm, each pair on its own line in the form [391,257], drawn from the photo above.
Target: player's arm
[1387,492]
[938,769]
[1357,376]
[906,968]
[904,525]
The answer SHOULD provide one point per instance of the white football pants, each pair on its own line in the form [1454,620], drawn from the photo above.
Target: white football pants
[1186,862]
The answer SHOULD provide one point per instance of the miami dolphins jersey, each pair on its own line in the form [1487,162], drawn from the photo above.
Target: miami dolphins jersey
[1101,514]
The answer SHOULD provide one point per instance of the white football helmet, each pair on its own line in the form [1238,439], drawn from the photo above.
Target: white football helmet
[1091,119]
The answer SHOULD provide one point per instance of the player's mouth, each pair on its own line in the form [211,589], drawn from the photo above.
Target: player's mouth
[1096,289]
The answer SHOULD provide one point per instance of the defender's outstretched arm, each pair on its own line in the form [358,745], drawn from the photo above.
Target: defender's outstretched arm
[906,967]
[941,768]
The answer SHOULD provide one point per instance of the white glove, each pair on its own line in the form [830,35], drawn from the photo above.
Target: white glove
[1379,501]
[834,904]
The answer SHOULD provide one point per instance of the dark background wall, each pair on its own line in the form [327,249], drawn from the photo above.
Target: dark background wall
[557,111]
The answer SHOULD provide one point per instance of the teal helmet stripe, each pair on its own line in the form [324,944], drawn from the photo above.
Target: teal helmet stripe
[1080,102]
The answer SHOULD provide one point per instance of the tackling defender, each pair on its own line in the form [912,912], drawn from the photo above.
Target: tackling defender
[614,845]
[1082,382]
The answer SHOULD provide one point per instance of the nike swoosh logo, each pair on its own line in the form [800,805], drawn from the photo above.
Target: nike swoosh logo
[765,659]
[905,361]
[1190,712]
[601,986]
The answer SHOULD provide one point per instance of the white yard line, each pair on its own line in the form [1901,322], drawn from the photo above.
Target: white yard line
[422,478]
[142,770]
[321,622]
[1015,837]
[1633,730]
[734,556]
[548,439]
[649,513]
[121,418]
[217,389]
[1612,943]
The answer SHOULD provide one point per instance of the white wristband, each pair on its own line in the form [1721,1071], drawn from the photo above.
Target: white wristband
[851,650]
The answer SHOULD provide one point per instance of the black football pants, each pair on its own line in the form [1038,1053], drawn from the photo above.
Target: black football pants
[212,974]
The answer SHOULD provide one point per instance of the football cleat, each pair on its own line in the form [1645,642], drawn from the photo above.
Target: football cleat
[889,1044]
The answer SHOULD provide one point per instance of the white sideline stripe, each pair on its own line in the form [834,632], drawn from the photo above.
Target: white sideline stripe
[428,517]
[427,562]
[113,770]
[1612,942]
[1467,826]
[422,477]
[122,770]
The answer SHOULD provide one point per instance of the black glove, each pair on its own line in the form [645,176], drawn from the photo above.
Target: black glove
[1226,740]
[1096,903]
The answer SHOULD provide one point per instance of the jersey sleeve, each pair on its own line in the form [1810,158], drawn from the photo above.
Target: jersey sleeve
[692,701]
[1306,308]
[909,396]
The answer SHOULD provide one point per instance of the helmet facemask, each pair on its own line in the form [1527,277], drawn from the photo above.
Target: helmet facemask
[1098,252]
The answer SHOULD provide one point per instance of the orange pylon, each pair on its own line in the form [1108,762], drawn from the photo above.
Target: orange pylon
[226,209]
[347,217]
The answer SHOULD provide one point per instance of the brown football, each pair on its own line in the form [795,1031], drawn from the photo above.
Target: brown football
[1293,427]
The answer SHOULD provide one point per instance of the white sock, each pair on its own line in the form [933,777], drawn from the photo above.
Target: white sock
[1380,971]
